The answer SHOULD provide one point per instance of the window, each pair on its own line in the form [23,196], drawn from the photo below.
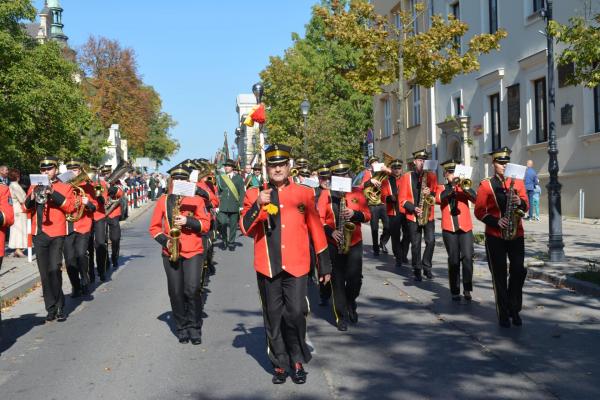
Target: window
[495,120]
[597,109]
[455,10]
[414,17]
[493,14]
[541,124]
[565,73]
[457,106]
[416,106]
[397,20]
[387,118]
[513,106]
[538,5]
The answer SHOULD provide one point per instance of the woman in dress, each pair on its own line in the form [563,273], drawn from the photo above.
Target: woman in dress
[18,231]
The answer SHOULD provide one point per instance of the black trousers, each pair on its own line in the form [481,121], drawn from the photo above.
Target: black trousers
[90,248]
[459,246]
[49,251]
[346,280]
[184,286]
[400,237]
[100,246]
[416,232]
[379,213]
[509,294]
[76,259]
[284,306]
[114,233]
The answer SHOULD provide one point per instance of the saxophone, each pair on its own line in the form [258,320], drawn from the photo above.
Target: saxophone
[346,227]
[175,232]
[512,213]
[425,202]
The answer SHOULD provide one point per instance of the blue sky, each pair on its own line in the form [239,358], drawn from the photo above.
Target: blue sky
[198,54]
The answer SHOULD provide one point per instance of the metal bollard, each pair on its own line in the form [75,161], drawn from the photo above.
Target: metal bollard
[581,205]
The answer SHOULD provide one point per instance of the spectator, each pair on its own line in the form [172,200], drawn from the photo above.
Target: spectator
[4,174]
[152,185]
[18,231]
[536,202]
[531,180]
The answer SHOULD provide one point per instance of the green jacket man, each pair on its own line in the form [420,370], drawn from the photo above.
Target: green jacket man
[231,197]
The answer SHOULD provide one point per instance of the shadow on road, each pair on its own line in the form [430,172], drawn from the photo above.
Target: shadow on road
[254,341]
[12,329]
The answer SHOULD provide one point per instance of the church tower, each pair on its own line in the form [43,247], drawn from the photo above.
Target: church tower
[56,27]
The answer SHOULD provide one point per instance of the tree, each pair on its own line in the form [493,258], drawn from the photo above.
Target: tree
[582,39]
[387,54]
[42,109]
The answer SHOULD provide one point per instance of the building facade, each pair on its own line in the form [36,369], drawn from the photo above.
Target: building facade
[50,26]
[246,138]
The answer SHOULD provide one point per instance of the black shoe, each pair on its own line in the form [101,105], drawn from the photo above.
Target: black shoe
[51,316]
[456,297]
[376,250]
[504,322]
[405,261]
[417,276]
[398,263]
[352,316]
[60,315]
[85,290]
[467,295]
[279,376]
[231,247]
[299,374]
[516,319]
[428,274]
[196,341]
[384,249]
[102,278]
[211,269]
[342,326]
[76,293]
[183,339]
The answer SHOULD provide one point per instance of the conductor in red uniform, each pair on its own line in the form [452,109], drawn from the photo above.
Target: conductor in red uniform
[347,267]
[280,217]
[48,206]
[184,273]
[494,198]
[457,230]
[413,186]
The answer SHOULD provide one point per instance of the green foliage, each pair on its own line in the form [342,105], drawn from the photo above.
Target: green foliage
[160,146]
[582,40]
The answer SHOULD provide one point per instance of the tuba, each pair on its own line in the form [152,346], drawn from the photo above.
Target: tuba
[512,213]
[79,195]
[425,202]
[373,193]
[346,227]
[175,232]
[123,168]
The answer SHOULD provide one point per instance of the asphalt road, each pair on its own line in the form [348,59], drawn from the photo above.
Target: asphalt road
[411,341]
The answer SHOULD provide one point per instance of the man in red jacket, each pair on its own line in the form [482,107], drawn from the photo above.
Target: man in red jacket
[113,196]
[48,206]
[415,188]
[347,266]
[457,230]
[493,199]
[390,190]
[280,217]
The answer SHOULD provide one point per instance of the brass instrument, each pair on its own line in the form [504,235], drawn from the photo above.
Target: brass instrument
[123,168]
[345,227]
[372,192]
[294,172]
[79,195]
[175,232]
[464,183]
[512,213]
[41,197]
[425,202]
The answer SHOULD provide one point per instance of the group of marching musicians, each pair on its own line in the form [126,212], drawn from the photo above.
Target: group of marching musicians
[71,220]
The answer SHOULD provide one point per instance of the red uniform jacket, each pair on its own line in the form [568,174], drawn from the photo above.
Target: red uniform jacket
[410,191]
[50,218]
[209,196]
[491,203]
[198,222]
[329,211]
[100,211]
[84,224]
[365,178]
[7,215]
[116,197]
[454,203]
[390,189]
[283,243]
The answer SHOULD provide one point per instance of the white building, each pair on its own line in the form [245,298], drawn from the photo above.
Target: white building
[247,137]
[117,147]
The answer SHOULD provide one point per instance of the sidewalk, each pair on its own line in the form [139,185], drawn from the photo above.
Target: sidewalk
[18,276]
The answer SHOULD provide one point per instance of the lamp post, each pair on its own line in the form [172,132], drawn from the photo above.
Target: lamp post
[305,108]
[555,243]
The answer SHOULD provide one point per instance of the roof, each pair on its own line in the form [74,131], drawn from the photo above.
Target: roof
[32,29]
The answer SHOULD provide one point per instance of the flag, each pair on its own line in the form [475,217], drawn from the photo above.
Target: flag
[257,114]
[225,147]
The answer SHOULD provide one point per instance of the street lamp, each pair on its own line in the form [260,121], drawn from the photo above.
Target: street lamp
[305,107]
[555,241]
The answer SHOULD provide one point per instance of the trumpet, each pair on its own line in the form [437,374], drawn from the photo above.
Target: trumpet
[294,172]
[41,194]
[464,183]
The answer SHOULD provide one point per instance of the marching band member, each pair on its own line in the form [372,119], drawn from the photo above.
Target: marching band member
[396,214]
[324,176]
[335,207]
[279,217]
[378,211]
[100,226]
[78,233]
[114,195]
[231,193]
[49,206]
[182,255]
[211,200]
[457,229]
[500,202]
[416,191]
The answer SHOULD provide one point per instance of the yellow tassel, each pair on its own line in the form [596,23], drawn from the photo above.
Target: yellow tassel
[271,209]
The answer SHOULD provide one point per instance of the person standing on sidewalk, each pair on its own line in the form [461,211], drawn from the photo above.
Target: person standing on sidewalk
[282,219]
[494,195]
[7,216]
[18,231]
[531,181]
[231,193]
[457,230]
[535,204]
[48,206]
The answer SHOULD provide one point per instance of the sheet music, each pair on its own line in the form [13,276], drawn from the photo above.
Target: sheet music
[310,182]
[66,176]
[194,175]
[515,171]
[463,171]
[341,184]
[184,188]
[377,166]
[39,179]
[430,165]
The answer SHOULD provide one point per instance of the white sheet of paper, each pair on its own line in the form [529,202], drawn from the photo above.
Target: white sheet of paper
[430,165]
[515,171]
[310,182]
[39,179]
[377,166]
[194,175]
[463,171]
[341,184]
[184,188]
[66,176]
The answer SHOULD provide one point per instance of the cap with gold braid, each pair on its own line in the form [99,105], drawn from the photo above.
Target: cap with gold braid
[301,163]
[397,163]
[324,171]
[277,154]
[372,160]
[304,172]
[501,155]
[180,172]
[339,167]
[421,155]
[49,162]
[73,163]
[450,165]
